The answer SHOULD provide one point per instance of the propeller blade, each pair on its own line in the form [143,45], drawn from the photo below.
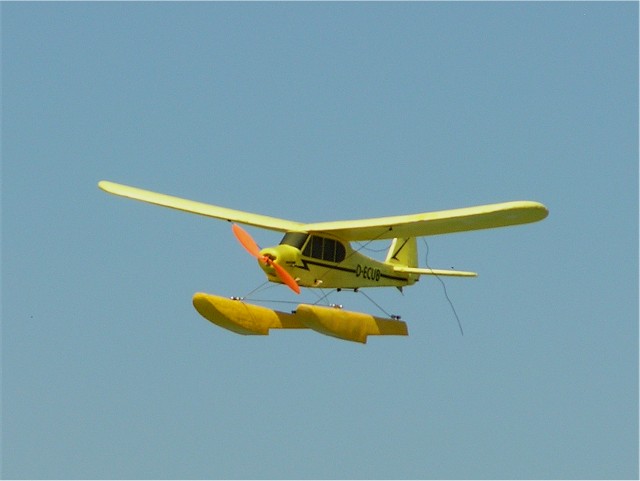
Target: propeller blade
[285,276]
[250,245]
[246,240]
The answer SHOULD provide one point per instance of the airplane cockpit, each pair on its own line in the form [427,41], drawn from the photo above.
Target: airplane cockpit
[316,246]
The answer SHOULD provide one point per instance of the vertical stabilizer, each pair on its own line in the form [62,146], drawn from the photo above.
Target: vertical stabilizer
[403,252]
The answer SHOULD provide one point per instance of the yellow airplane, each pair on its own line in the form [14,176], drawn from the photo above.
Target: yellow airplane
[319,255]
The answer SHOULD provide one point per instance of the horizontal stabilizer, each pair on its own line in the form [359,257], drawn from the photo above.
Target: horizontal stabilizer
[434,272]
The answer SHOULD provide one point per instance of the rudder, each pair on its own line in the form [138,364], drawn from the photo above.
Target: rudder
[403,252]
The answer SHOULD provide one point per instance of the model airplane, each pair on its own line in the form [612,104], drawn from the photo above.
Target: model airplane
[319,255]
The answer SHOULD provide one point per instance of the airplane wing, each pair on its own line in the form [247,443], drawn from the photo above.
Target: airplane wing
[434,223]
[413,225]
[200,208]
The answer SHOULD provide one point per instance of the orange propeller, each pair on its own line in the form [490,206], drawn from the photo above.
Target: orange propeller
[252,248]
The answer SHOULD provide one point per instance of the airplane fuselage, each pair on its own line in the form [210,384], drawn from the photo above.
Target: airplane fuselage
[323,261]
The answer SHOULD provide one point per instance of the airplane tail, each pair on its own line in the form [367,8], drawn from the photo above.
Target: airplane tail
[403,252]
[403,255]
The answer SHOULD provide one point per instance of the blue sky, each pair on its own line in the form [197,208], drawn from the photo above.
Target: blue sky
[313,112]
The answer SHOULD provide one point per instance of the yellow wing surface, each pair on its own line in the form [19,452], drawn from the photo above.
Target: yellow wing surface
[412,225]
[200,208]
[435,223]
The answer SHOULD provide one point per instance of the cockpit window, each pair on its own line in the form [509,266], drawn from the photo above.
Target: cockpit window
[295,239]
[325,249]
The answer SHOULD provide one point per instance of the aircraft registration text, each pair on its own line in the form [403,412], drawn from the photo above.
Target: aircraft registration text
[368,273]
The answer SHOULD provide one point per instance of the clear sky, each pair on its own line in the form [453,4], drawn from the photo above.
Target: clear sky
[314,112]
